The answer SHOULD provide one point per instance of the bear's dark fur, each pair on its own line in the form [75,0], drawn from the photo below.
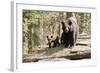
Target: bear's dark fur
[70,32]
[53,40]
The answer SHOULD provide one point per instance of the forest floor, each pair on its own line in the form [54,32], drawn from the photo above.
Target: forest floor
[82,50]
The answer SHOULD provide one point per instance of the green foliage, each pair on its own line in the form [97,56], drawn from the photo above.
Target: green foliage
[85,23]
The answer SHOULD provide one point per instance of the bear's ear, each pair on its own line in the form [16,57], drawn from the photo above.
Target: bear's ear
[47,36]
[62,23]
[51,36]
[69,22]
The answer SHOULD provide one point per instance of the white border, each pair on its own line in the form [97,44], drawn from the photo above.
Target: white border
[17,38]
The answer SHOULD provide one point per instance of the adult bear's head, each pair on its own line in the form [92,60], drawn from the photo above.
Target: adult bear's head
[66,26]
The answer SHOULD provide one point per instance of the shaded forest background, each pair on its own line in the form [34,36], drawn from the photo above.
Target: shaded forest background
[38,24]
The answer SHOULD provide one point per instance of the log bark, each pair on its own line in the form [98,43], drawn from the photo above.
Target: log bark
[73,55]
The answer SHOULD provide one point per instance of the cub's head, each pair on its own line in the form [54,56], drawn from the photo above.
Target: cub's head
[50,38]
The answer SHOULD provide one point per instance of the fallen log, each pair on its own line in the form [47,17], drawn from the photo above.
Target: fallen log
[82,44]
[73,55]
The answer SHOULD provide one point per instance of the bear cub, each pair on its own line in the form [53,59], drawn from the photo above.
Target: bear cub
[53,40]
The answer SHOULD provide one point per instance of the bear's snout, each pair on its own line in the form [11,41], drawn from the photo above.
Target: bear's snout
[67,29]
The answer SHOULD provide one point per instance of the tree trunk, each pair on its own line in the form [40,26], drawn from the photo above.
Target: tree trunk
[30,37]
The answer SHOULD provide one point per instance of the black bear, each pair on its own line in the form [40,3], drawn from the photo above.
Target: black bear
[70,32]
[64,36]
[53,40]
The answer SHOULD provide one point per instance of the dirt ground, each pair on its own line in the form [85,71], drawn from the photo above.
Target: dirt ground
[59,53]
[82,50]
